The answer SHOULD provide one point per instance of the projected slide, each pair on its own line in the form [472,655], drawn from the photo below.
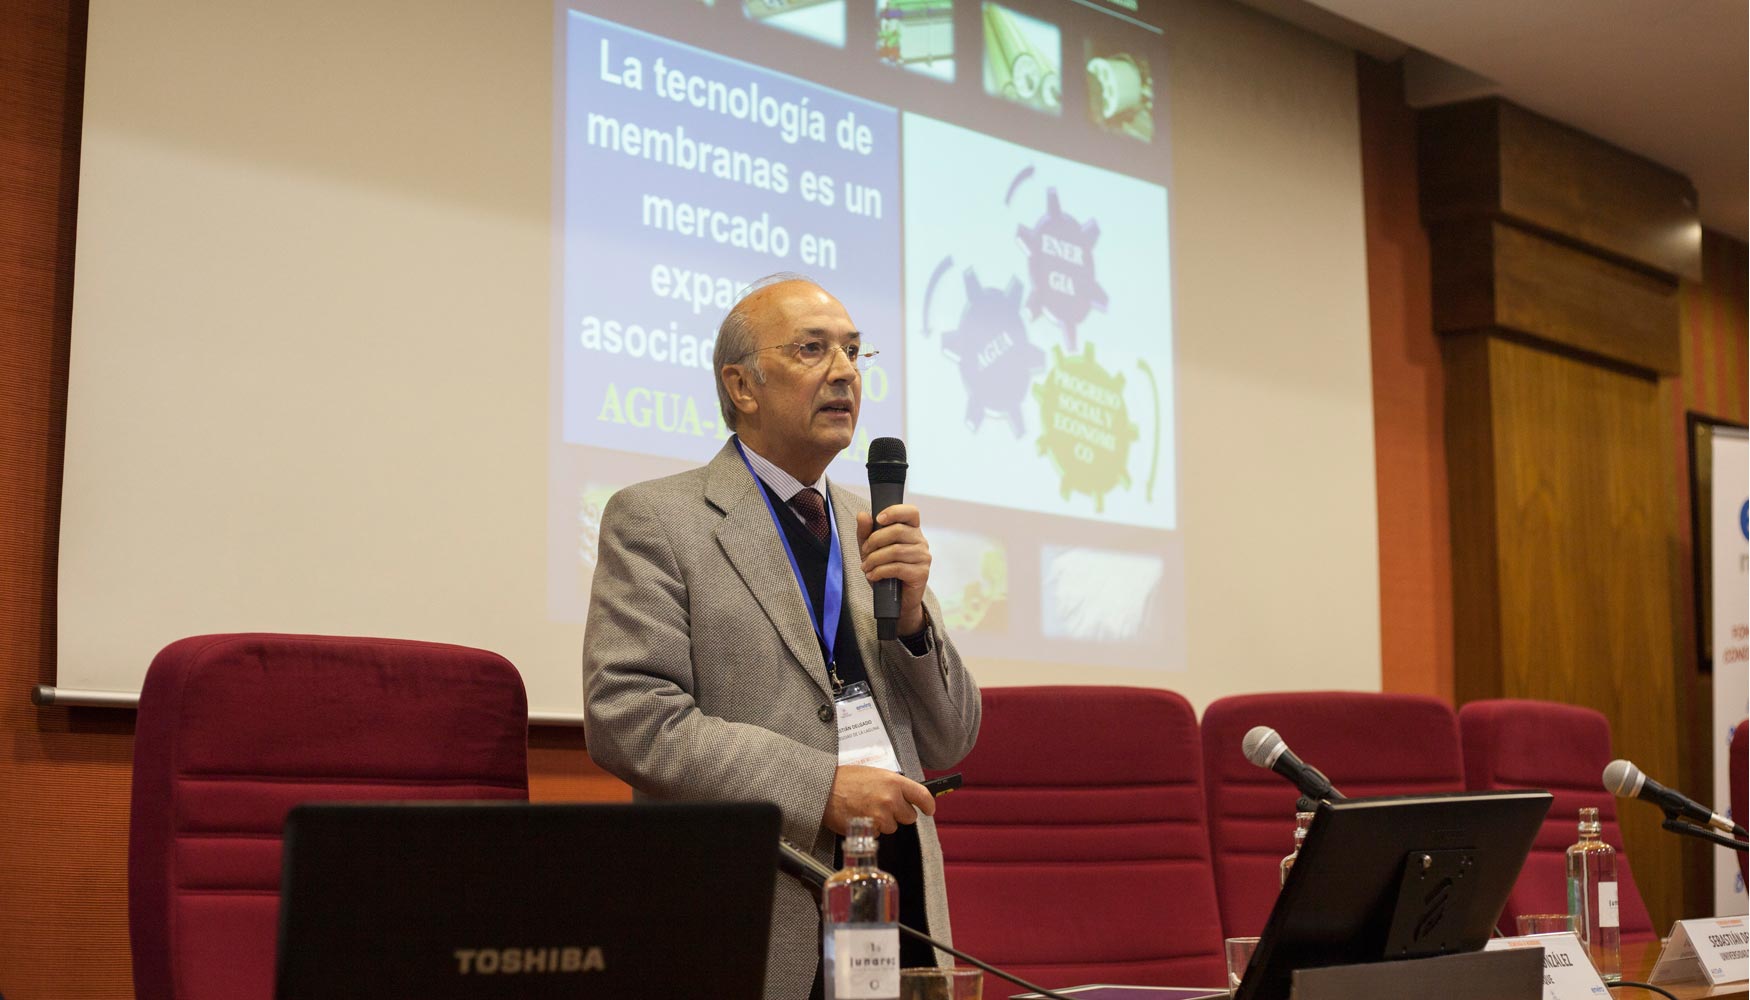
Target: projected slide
[687,174]
[1012,267]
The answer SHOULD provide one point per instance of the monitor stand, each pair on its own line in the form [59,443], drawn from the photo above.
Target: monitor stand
[1433,886]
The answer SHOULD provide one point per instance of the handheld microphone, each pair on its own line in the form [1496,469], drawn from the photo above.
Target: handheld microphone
[1624,780]
[1266,749]
[886,488]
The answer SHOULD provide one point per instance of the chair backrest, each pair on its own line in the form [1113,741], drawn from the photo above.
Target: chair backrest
[1738,766]
[1077,852]
[1514,743]
[234,730]
[1367,744]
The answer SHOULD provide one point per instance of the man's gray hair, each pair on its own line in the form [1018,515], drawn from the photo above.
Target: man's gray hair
[737,338]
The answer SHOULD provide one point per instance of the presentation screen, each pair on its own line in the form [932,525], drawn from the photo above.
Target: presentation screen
[373,310]
[985,186]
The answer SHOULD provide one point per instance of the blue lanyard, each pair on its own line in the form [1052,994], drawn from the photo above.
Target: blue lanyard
[835,565]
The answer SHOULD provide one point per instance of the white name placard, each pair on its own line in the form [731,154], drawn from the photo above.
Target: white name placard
[1715,950]
[1567,971]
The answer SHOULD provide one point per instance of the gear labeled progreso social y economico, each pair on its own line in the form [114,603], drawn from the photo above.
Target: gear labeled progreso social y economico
[1088,431]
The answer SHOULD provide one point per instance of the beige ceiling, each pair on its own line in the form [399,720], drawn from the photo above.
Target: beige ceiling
[1662,78]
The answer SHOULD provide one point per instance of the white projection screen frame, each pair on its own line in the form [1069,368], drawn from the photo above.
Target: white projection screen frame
[323,306]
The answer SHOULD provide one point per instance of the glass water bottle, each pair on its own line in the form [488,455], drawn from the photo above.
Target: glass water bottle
[859,911]
[1302,820]
[1592,897]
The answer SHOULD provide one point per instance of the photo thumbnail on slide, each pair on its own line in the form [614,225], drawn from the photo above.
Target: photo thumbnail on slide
[685,175]
[1023,59]
[821,20]
[1041,349]
[1121,92]
[1093,595]
[969,572]
[918,35]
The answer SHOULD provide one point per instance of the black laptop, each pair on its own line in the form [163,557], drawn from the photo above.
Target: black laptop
[1395,877]
[475,900]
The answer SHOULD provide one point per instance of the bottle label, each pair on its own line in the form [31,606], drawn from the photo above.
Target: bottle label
[865,963]
[1608,915]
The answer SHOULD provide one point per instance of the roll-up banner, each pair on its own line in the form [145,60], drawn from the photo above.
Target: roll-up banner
[1729,557]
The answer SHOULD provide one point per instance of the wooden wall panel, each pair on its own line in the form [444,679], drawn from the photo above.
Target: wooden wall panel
[1582,501]
[1560,472]
[1493,274]
[1493,157]
[561,771]
[64,774]
[1470,462]
[1415,578]
[1555,261]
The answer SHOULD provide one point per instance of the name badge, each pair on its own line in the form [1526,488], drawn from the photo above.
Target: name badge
[1715,950]
[862,735]
[1567,971]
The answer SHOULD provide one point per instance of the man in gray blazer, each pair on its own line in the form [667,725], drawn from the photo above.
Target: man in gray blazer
[711,665]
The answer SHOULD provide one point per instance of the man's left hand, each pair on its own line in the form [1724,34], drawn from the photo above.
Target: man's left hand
[894,548]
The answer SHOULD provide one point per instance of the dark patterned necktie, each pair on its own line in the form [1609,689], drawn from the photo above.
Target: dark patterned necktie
[813,510]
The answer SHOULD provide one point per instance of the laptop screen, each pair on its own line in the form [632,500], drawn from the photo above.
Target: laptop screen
[452,900]
[1395,877]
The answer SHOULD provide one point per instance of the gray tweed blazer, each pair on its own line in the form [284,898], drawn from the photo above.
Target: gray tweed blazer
[703,679]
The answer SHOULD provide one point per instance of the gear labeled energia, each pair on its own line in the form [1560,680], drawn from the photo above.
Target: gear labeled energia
[1088,431]
[997,361]
[1060,265]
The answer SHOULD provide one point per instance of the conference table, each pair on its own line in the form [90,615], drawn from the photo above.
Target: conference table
[1637,964]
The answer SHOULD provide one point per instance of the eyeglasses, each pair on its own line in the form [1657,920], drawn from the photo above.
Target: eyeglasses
[810,353]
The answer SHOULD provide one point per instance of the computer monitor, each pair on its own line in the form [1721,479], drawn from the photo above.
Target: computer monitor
[1395,877]
[471,900]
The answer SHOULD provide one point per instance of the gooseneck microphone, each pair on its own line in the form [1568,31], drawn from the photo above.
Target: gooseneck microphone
[1624,780]
[886,488]
[1266,749]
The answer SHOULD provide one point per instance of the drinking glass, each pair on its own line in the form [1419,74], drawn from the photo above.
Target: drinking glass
[941,984]
[1545,923]
[1239,955]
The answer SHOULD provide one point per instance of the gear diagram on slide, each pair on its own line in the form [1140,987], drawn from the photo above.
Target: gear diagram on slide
[997,361]
[1088,431]
[1060,262]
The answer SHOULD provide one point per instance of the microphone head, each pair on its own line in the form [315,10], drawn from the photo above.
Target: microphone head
[887,462]
[1260,745]
[1622,779]
[886,451]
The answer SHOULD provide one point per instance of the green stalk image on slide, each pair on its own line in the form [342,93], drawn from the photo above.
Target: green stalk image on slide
[1022,59]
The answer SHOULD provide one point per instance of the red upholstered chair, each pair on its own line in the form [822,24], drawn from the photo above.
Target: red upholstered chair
[1738,766]
[1367,744]
[1077,852]
[1512,743]
[234,730]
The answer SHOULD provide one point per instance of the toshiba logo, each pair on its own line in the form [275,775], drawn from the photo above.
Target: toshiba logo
[520,961]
